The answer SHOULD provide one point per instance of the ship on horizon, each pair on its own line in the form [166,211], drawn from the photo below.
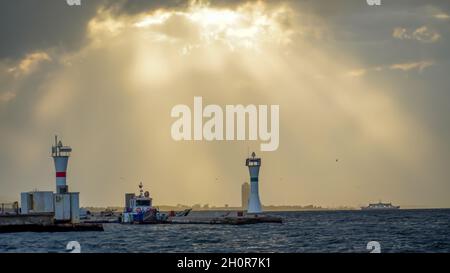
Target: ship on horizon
[380,206]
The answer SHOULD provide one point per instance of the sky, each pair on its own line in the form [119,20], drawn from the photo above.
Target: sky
[363,93]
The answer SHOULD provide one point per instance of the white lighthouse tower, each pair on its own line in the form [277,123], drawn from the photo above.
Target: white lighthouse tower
[61,156]
[63,204]
[253,164]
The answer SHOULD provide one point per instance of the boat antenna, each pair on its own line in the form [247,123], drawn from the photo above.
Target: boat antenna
[140,189]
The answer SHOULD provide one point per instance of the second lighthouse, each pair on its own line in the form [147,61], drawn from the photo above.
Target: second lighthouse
[253,164]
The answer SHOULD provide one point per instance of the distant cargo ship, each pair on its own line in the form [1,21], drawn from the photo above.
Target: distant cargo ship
[380,206]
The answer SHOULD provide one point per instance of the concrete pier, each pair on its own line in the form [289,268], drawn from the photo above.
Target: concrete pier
[42,222]
[44,219]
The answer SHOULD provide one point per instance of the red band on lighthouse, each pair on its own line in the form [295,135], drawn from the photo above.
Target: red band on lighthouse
[60,174]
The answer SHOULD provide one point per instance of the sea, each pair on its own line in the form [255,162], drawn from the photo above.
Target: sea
[419,230]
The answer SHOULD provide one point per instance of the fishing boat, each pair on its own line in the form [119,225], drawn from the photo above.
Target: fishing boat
[139,209]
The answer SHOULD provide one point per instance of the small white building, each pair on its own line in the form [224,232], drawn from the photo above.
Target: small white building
[37,202]
[64,206]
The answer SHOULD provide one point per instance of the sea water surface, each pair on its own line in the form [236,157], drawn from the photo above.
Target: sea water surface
[308,231]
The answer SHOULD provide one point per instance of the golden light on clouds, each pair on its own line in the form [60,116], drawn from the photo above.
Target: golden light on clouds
[442,16]
[422,34]
[247,26]
[420,66]
[29,63]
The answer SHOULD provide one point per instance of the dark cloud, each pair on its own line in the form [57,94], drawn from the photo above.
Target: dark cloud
[37,25]
[138,6]
[366,31]
[27,26]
